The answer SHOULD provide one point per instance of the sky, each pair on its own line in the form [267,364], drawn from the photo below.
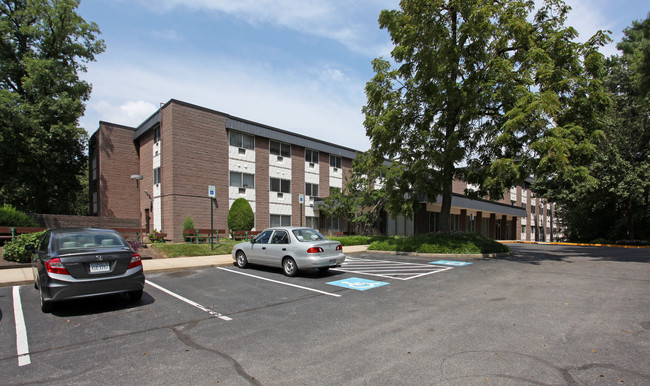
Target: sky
[298,65]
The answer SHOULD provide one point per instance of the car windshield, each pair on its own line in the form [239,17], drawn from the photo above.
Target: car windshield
[94,240]
[308,235]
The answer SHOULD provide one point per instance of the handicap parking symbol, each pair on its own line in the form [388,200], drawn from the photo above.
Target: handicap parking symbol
[358,284]
[450,263]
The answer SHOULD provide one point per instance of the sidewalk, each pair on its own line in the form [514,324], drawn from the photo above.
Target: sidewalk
[23,276]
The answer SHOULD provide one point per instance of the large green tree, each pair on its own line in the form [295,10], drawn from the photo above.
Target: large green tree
[44,46]
[361,202]
[474,91]
[615,204]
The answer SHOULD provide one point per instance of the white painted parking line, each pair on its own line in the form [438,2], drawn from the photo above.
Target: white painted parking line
[188,301]
[389,269]
[280,282]
[22,346]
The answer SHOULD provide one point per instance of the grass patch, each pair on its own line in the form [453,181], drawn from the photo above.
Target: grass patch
[187,249]
[452,243]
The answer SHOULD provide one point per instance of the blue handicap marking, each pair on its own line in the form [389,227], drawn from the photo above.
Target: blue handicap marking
[358,283]
[451,263]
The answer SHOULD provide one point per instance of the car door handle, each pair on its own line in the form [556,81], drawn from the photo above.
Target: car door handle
[284,249]
[263,247]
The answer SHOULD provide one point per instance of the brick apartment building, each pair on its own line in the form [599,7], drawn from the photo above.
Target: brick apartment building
[160,171]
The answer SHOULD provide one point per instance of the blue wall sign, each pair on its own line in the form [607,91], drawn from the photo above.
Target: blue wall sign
[450,263]
[358,284]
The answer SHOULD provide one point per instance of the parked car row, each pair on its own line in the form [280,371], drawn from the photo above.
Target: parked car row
[86,262]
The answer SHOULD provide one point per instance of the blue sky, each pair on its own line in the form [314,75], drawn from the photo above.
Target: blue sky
[296,65]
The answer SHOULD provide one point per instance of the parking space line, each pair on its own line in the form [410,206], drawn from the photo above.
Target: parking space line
[280,282]
[22,346]
[390,269]
[190,302]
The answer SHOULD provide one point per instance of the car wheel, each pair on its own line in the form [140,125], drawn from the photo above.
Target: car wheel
[289,266]
[46,306]
[324,269]
[241,260]
[135,295]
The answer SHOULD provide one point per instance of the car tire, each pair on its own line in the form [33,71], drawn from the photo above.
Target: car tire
[241,260]
[46,306]
[289,267]
[135,295]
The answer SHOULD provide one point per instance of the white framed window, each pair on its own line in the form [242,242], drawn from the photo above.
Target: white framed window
[335,161]
[241,140]
[311,222]
[156,135]
[311,189]
[242,180]
[280,185]
[279,149]
[156,175]
[311,156]
[280,220]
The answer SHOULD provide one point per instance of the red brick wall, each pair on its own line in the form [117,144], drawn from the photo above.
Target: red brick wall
[297,183]
[194,156]
[262,219]
[118,160]
[458,186]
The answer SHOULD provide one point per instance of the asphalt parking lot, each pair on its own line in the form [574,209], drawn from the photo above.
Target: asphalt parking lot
[547,315]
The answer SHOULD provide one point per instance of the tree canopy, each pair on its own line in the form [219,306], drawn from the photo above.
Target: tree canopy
[490,92]
[614,205]
[44,46]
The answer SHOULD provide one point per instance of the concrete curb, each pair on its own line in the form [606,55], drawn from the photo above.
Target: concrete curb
[571,244]
[446,255]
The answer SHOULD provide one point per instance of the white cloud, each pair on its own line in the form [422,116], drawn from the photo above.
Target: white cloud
[321,103]
[351,23]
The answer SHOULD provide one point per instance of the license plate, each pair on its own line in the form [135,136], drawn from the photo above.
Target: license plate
[100,267]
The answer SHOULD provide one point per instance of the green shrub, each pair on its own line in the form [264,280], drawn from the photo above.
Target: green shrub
[11,217]
[15,250]
[188,224]
[241,216]
[156,237]
[347,241]
[453,242]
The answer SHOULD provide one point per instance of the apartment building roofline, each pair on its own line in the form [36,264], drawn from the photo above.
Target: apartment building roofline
[255,128]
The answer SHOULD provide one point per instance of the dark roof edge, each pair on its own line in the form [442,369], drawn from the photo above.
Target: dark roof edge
[117,125]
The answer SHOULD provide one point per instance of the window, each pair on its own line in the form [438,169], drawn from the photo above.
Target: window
[280,237]
[94,169]
[156,135]
[263,238]
[279,148]
[311,156]
[280,185]
[311,189]
[156,175]
[335,161]
[311,222]
[242,140]
[523,229]
[532,209]
[242,180]
[279,220]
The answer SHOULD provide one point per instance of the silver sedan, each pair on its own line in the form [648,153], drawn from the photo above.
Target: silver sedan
[292,248]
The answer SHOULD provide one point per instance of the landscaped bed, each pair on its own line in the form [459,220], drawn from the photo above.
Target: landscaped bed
[447,243]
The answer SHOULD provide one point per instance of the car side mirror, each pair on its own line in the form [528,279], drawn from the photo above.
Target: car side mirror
[30,247]
[252,241]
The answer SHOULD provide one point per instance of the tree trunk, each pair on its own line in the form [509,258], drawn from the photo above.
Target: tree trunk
[445,210]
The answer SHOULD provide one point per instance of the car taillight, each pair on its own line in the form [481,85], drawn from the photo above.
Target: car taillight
[339,247]
[135,260]
[315,250]
[56,266]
